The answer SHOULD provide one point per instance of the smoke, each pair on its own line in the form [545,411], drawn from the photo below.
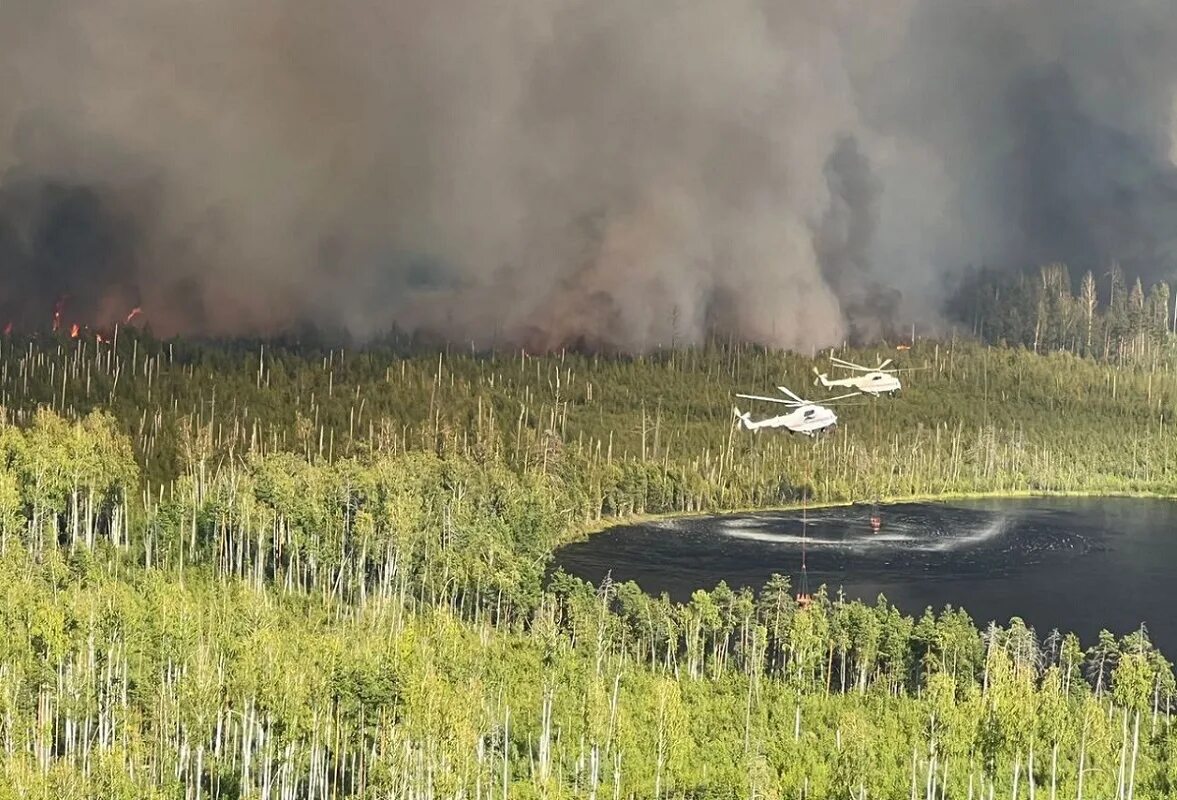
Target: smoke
[57,242]
[549,172]
[843,243]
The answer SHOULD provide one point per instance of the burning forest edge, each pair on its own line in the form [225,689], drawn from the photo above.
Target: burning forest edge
[323,325]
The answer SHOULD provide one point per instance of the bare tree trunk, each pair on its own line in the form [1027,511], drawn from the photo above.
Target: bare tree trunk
[1017,774]
[660,758]
[1082,760]
[1030,771]
[930,786]
[1053,770]
[1135,750]
[1123,757]
[506,749]
[913,772]
[748,716]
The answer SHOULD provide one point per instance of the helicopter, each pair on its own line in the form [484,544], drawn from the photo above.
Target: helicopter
[876,380]
[806,417]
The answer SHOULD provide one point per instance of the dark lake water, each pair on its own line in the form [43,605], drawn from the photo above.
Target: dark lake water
[1069,563]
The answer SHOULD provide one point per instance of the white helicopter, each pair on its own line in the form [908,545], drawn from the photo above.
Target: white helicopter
[806,417]
[876,380]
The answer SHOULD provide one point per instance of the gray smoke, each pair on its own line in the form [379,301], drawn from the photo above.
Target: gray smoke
[546,172]
[843,244]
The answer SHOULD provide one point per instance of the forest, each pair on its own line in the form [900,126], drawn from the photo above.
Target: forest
[272,569]
[1045,310]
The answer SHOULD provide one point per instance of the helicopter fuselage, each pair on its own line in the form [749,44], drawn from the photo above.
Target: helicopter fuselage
[875,383]
[809,419]
[878,383]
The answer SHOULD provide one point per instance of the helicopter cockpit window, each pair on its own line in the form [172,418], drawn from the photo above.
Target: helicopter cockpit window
[877,378]
[809,413]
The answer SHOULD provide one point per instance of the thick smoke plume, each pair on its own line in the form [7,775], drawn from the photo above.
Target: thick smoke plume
[545,172]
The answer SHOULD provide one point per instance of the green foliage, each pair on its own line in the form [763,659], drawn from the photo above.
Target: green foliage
[243,572]
[1041,310]
[140,681]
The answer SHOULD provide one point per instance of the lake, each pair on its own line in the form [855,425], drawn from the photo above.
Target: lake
[1077,564]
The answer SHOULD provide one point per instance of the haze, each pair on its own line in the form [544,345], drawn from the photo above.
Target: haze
[552,172]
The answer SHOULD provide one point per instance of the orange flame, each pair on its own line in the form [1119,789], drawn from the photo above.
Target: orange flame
[136,311]
[73,331]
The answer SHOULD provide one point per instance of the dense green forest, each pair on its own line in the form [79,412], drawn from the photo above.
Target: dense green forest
[265,570]
[1045,310]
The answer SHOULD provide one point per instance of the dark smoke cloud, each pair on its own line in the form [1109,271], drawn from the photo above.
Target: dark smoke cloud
[843,244]
[557,171]
[1051,126]
[57,242]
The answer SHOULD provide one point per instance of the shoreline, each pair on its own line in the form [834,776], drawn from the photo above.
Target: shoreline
[602,525]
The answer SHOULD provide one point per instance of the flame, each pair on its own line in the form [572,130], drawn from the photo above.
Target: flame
[73,331]
[136,311]
[902,347]
[57,314]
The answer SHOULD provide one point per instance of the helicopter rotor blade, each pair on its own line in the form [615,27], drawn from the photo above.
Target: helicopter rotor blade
[885,363]
[839,397]
[769,399]
[844,362]
[788,392]
[850,365]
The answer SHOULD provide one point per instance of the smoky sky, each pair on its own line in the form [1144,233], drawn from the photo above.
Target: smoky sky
[546,172]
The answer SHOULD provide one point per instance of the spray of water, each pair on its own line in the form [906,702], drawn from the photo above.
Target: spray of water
[832,531]
[971,537]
